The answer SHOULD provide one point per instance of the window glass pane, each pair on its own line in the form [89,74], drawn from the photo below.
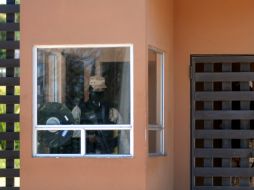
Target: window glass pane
[155,142]
[155,102]
[58,142]
[155,88]
[83,86]
[108,142]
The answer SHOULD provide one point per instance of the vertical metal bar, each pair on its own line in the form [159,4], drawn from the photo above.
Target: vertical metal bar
[35,99]
[193,87]
[208,124]
[244,124]
[162,67]
[226,124]
[10,53]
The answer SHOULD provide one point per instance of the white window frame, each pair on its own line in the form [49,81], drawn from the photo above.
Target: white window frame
[83,128]
[161,127]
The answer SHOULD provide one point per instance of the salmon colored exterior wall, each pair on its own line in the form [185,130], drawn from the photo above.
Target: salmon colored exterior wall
[203,27]
[178,27]
[160,35]
[83,22]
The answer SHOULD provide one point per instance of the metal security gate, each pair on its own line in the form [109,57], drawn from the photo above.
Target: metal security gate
[9,94]
[222,121]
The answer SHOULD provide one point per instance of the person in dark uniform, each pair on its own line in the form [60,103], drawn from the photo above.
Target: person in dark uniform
[95,111]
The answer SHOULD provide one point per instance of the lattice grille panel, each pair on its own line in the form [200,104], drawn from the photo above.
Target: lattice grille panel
[9,94]
[222,122]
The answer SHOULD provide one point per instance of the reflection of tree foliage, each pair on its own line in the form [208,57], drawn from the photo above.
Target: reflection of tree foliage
[2,35]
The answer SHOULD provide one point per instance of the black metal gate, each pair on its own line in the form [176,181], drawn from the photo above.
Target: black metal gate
[9,94]
[222,120]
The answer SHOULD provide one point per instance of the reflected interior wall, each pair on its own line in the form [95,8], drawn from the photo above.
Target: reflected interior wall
[159,27]
[203,27]
[45,22]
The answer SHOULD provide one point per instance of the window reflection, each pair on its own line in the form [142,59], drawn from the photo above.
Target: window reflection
[92,85]
[155,102]
[80,87]
[58,142]
[108,142]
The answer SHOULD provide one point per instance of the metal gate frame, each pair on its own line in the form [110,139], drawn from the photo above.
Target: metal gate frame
[222,116]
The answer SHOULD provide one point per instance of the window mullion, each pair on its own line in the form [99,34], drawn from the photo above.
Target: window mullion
[83,94]
[83,142]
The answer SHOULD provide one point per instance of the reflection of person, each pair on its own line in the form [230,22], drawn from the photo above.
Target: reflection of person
[96,111]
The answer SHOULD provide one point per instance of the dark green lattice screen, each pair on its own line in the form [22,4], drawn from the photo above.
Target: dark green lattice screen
[222,122]
[9,94]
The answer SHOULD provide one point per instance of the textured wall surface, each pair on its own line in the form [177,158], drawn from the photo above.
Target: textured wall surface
[83,22]
[160,35]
